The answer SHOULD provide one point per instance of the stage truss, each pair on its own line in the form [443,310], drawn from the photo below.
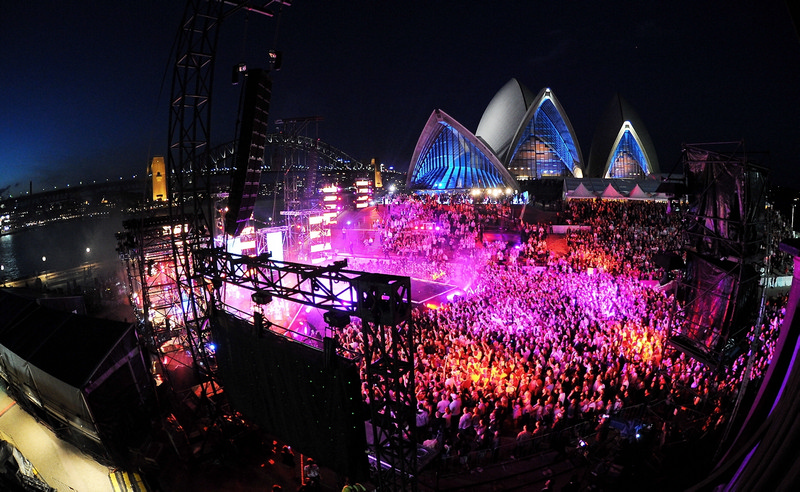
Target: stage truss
[726,248]
[383,303]
[178,272]
[308,236]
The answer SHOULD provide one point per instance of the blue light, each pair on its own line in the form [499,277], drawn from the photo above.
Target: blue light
[628,159]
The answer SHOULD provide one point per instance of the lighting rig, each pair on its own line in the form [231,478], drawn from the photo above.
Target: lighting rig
[383,303]
[188,293]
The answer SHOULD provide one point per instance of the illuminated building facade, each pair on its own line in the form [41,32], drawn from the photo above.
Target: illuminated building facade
[378,177]
[546,145]
[524,136]
[158,179]
[621,147]
[520,136]
[449,157]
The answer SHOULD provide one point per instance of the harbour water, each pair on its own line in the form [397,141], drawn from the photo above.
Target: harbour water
[59,246]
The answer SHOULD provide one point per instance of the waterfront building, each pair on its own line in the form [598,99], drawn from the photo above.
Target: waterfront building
[524,136]
[621,146]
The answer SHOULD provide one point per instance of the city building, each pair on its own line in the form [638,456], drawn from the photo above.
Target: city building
[521,136]
[621,146]
[448,157]
[524,136]
[158,179]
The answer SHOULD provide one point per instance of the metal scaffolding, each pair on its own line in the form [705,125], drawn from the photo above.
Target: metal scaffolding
[383,303]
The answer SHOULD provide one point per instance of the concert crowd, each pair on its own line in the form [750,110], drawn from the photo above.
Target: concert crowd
[541,340]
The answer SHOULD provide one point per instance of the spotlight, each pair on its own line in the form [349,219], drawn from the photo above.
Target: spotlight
[261,297]
[336,319]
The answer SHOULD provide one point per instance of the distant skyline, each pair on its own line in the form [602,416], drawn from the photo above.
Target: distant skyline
[84,89]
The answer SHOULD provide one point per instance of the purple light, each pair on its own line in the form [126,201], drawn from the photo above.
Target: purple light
[452,295]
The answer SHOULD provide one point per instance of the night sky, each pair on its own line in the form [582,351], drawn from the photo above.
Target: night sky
[84,89]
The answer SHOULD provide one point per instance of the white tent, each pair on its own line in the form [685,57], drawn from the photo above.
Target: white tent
[611,193]
[613,189]
[581,192]
[638,193]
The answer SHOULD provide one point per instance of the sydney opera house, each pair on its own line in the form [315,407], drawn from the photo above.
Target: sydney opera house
[524,136]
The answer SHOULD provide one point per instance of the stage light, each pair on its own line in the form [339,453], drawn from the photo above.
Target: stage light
[261,297]
[336,319]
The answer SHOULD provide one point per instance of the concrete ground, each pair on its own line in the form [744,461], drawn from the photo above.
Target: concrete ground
[60,464]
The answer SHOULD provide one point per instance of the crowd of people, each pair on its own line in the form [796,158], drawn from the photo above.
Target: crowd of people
[622,237]
[544,341]
[423,238]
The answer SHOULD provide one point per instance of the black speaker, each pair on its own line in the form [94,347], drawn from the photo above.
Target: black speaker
[246,174]
[336,319]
